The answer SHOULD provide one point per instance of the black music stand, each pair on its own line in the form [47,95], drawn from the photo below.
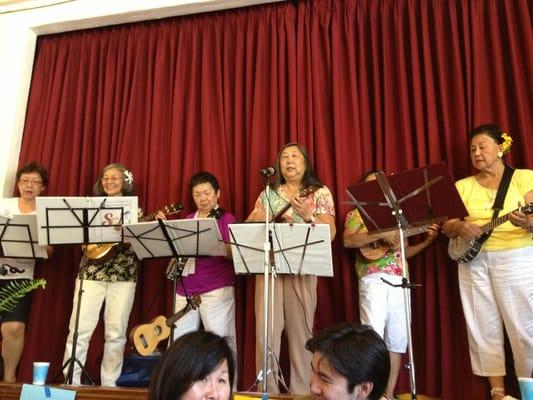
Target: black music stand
[18,237]
[82,220]
[299,249]
[409,202]
[179,239]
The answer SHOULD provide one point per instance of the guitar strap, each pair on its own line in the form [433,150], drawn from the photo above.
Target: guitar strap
[502,191]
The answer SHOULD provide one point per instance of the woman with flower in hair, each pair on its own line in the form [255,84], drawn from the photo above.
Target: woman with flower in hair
[109,279]
[496,287]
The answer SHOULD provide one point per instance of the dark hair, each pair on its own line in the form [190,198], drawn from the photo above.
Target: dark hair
[204,177]
[309,179]
[190,358]
[34,166]
[356,352]
[491,130]
[127,187]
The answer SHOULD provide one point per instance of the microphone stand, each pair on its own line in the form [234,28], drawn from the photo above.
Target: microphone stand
[266,271]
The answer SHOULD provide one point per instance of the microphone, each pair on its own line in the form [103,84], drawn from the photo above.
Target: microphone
[268,171]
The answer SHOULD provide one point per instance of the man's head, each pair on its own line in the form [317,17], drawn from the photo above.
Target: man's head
[350,362]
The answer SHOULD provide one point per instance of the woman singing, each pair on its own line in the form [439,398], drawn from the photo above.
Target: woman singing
[305,200]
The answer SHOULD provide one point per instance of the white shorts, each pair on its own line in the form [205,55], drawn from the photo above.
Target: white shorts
[382,307]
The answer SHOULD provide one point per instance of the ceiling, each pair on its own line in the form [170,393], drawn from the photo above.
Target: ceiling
[8,6]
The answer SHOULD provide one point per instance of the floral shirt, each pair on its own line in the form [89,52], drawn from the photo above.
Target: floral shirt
[121,267]
[320,201]
[389,264]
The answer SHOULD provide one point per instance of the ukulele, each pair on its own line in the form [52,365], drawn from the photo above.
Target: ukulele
[146,337]
[301,194]
[375,250]
[105,251]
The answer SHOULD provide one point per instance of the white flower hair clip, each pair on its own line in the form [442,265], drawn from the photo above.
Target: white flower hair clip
[128,177]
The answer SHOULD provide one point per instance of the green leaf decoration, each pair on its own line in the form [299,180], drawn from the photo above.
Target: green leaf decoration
[10,294]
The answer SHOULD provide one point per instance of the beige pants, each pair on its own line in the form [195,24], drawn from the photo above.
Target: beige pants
[294,309]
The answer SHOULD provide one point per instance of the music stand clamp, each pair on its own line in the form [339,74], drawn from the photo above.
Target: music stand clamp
[296,249]
[427,196]
[82,220]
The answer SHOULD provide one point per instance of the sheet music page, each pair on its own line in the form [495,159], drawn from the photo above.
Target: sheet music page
[60,220]
[306,248]
[19,239]
[303,249]
[248,253]
[189,237]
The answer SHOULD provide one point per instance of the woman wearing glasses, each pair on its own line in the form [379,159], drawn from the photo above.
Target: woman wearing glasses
[109,278]
[32,179]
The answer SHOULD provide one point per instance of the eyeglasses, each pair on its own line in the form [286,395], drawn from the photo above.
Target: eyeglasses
[111,178]
[26,181]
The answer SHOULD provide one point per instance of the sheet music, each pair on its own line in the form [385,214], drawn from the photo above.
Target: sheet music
[190,237]
[297,248]
[60,219]
[19,236]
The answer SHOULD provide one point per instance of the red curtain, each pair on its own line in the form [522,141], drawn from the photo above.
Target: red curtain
[393,84]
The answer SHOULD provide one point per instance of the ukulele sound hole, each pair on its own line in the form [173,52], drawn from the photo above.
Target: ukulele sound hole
[143,341]
[157,330]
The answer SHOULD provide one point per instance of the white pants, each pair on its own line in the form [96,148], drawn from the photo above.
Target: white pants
[216,312]
[383,308]
[118,297]
[497,290]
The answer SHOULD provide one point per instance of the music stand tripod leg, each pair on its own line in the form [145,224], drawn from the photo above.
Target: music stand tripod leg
[70,362]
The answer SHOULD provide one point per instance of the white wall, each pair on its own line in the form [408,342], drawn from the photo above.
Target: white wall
[18,35]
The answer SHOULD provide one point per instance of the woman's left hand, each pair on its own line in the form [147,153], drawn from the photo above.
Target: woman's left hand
[301,208]
[432,232]
[521,220]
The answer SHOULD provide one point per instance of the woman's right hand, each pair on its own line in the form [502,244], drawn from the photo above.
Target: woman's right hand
[468,231]
[160,215]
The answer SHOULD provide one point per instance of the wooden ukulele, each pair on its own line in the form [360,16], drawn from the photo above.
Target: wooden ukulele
[105,251]
[146,337]
[301,194]
[375,250]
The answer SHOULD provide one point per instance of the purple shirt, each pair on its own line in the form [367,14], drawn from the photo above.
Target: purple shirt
[211,272]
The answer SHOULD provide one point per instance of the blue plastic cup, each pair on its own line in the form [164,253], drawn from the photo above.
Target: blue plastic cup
[40,370]
[526,388]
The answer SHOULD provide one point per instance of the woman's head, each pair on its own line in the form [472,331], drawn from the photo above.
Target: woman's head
[488,144]
[114,180]
[205,191]
[32,179]
[293,164]
[195,365]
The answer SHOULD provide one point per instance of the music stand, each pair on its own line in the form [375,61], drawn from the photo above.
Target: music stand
[176,238]
[82,220]
[408,202]
[18,237]
[303,249]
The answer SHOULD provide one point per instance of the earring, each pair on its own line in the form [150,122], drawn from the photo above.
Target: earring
[500,154]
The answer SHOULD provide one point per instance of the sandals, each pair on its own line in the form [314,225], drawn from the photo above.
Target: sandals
[499,394]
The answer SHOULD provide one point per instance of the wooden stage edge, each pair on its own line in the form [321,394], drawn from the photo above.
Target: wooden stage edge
[11,391]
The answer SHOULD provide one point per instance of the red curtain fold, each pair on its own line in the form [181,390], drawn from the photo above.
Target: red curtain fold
[393,84]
